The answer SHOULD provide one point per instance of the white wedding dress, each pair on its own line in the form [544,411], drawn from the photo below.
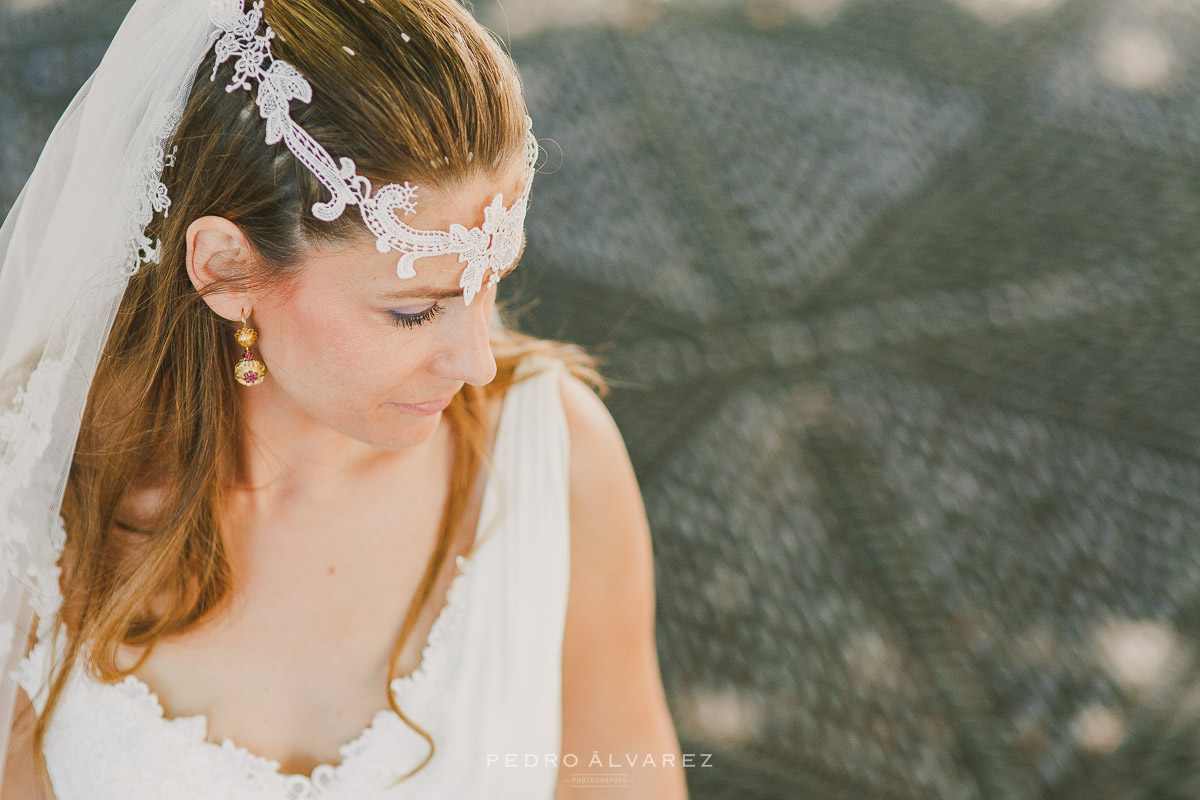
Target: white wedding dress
[488,688]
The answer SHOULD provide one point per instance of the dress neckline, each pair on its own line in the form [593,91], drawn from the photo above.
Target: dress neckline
[433,655]
[299,785]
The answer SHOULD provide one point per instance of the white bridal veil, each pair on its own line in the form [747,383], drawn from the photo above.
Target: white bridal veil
[67,248]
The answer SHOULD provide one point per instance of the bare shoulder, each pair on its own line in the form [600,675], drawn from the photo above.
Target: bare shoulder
[612,693]
[610,535]
[593,432]
[602,476]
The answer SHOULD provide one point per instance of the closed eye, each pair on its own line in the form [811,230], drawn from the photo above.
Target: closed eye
[413,320]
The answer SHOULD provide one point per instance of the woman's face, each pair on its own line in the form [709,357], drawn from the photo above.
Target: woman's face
[350,345]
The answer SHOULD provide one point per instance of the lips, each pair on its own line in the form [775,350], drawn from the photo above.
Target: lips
[431,407]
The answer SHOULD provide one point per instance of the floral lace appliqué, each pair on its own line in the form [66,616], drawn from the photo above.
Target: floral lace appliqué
[369,761]
[492,248]
[25,433]
[147,194]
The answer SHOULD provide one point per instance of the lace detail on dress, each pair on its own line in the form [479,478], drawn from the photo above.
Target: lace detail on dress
[362,771]
[436,655]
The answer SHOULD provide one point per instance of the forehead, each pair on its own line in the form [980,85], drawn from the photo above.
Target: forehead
[463,203]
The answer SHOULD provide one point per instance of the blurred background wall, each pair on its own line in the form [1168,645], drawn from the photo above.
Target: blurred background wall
[898,298]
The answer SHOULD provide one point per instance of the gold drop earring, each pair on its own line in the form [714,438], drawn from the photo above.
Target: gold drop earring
[249,371]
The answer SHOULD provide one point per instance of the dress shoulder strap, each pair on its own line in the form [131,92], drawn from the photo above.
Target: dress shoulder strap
[531,504]
[531,455]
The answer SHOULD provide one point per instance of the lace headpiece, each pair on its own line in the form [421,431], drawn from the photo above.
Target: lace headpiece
[489,250]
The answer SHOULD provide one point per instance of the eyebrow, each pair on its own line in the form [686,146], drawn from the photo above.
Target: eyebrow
[422,294]
[444,294]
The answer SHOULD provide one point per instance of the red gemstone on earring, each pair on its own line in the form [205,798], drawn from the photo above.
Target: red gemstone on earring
[250,377]
[247,356]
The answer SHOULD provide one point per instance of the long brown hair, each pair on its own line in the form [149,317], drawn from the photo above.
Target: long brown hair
[427,96]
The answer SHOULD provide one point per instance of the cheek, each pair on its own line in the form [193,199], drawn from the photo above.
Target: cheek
[346,355]
[305,336]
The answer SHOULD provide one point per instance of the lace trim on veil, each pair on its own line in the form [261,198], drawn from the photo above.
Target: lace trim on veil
[27,423]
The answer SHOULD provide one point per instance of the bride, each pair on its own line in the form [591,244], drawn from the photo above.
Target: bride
[286,511]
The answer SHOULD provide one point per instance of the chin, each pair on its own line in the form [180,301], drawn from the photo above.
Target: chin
[402,434]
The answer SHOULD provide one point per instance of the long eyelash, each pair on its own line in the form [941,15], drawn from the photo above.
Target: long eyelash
[413,320]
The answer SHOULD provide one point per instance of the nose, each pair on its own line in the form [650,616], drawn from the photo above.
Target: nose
[466,354]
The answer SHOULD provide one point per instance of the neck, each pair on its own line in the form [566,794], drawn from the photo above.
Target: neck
[288,454]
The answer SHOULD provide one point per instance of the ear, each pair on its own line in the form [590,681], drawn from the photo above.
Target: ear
[217,249]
